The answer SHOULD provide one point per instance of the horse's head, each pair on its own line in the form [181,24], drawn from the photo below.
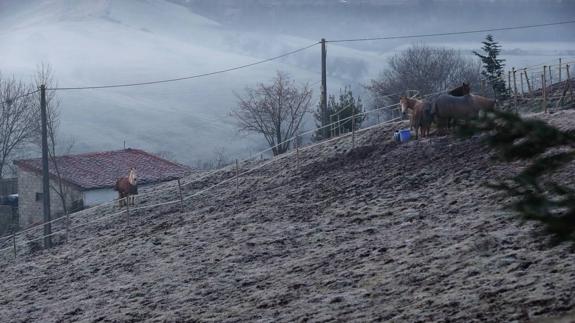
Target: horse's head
[403,102]
[132,177]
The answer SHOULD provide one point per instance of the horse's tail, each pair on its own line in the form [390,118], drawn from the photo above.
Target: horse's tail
[117,185]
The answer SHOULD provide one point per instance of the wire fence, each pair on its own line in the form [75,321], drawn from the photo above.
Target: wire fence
[29,240]
[62,226]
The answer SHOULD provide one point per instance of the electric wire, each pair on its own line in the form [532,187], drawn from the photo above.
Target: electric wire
[186,77]
[450,33]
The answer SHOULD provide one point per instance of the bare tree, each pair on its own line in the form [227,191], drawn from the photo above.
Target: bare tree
[56,146]
[424,69]
[17,118]
[274,110]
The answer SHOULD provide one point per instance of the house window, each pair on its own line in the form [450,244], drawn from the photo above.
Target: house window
[39,196]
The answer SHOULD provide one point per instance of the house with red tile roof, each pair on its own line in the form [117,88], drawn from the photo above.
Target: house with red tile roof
[87,180]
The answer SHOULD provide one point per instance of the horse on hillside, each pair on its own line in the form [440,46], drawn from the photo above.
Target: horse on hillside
[462,90]
[421,117]
[127,188]
[459,107]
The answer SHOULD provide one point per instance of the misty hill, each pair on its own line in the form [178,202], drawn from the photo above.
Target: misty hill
[112,42]
[99,42]
[356,18]
[386,231]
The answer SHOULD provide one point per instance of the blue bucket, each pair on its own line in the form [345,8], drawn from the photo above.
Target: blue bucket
[404,135]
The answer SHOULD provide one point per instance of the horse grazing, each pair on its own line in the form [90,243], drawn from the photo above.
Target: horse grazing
[127,188]
[421,117]
[459,107]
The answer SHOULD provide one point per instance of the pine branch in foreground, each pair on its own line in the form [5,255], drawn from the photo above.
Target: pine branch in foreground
[536,195]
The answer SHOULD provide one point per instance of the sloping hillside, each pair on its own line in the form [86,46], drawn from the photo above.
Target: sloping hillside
[388,232]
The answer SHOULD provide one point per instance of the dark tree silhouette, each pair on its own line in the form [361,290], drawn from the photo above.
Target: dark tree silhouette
[493,66]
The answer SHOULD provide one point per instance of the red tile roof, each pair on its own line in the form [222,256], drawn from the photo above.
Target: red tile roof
[102,169]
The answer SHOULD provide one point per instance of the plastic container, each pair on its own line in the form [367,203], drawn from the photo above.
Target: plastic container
[396,136]
[404,135]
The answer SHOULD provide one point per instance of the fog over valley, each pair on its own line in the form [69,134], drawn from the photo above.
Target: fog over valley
[108,42]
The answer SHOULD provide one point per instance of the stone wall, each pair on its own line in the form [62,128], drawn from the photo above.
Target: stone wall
[30,207]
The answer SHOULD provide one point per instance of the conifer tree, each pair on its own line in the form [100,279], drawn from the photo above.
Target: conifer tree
[492,66]
[342,109]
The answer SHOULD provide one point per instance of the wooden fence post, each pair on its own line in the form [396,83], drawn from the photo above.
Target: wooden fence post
[297,152]
[509,82]
[544,83]
[522,87]
[237,178]
[559,70]
[181,196]
[569,81]
[67,227]
[514,90]
[550,76]
[528,84]
[127,209]
[353,129]
[14,244]
[332,126]
[543,93]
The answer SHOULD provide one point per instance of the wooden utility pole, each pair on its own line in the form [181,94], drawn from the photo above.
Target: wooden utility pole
[45,170]
[324,116]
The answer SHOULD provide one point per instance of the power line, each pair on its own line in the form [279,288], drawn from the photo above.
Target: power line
[451,33]
[186,77]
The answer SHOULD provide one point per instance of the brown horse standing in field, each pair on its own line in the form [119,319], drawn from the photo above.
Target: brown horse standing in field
[420,114]
[464,107]
[127,188]
[458,91]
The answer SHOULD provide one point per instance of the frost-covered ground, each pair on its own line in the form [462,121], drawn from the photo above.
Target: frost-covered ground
[384,232]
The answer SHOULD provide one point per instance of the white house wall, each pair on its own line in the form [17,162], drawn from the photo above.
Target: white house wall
[99,196]
[95,197]
[29,209]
